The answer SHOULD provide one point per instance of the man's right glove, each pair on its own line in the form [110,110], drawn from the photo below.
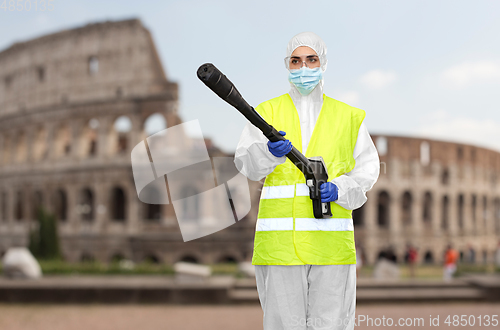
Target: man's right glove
[280,148]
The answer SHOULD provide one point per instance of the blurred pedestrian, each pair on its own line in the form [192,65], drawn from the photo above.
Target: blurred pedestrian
[472,254]
[412,259]
[450,263]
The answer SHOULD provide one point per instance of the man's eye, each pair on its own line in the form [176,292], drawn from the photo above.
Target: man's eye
[295,61]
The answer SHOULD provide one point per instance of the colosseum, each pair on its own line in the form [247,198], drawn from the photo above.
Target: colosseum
[431,194]
[75,103]
[72,107]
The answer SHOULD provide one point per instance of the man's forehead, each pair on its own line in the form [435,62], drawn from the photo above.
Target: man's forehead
[303,50]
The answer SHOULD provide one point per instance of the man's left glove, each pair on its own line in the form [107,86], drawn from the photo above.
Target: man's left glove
[329,192]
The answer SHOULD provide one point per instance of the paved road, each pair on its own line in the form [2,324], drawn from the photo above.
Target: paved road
[133,317]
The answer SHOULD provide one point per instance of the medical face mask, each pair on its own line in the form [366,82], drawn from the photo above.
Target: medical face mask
[305,79]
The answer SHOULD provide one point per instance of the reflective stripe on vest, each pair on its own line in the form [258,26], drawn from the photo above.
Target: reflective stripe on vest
[331,224]
[286,231]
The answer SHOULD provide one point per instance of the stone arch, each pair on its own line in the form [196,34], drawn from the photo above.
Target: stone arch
[382,145]
[36,203]
[3,205]
[425,153]
[40,149]
[86,206]
[118,204]
[496,216]
[19,206]
[189,258]
[60,204]
[473,209]
[154,123]
[21,153]
[119,135]
[460,209]
[7,149]
[445,203]
[89,136]
[227,258]
[62,141]
[116,257]
[484,210]
[383,209]
[406,208]
[152,258]
[151,211]
[428,257]
[190,206]
[445,176]
[87,257]
[428,205]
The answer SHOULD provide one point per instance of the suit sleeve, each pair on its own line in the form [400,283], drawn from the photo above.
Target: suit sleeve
[354,185]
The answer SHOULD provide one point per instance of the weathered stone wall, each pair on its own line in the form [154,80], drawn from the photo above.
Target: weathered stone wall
[431,194]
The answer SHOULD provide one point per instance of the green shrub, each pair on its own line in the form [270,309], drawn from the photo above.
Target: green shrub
[44,242]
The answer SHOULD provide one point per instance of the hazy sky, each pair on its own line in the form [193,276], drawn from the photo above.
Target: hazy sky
[418,68]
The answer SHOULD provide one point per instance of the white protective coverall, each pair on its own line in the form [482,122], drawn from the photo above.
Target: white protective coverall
[309,296]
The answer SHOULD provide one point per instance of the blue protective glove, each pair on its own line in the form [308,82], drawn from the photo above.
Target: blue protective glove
[329,192]
[280,148]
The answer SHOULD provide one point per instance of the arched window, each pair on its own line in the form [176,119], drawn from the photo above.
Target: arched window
[460,209]
[37,202]
[118,204]
[428,258]
[445,212]
[3,205]
[86,205]
[228,259]
[445,176]
[87,257]
[93,65]
[189,258]
[427,214]
[19,206]
[154,124]
[382,146]
[190,203]
[383,209]
[152,258]
[60,205]
[121,129]
[425,153]
[406,205]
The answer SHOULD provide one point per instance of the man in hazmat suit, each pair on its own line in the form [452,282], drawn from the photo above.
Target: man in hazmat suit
[306,267]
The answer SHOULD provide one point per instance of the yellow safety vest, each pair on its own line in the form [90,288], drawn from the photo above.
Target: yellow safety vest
[287,232]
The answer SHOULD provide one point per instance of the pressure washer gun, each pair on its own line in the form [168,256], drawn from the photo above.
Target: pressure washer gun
[314,168]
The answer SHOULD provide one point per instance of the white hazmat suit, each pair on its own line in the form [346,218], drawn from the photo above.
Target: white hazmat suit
[309,296]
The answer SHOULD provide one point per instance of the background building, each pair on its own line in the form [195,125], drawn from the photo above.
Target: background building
[431,194]
[73,105]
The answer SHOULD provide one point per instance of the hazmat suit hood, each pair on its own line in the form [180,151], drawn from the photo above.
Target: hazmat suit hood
[308,106]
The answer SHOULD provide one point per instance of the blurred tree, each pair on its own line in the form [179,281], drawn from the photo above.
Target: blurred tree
[44,242]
